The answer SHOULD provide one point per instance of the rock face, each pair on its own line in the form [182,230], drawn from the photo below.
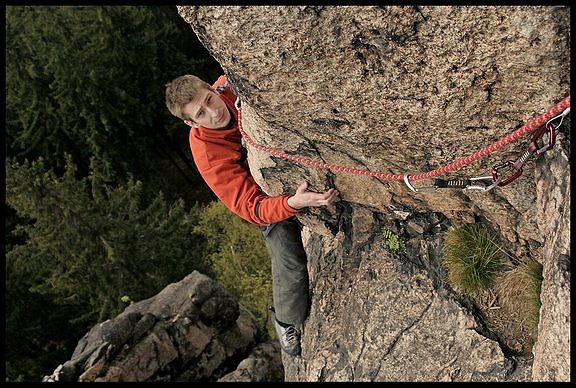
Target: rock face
[406,90]
[398,90]
[553,190]
[192,330]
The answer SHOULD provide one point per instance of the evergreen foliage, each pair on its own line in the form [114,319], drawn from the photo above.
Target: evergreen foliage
[89,244]
[89,81]
[90,149]
[240,259]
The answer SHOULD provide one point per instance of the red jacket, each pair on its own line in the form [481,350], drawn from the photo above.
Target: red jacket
[221,160]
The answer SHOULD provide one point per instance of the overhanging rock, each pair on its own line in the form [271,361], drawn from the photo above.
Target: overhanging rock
[403,90]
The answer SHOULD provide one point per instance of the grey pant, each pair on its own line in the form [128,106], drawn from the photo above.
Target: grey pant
[289,270]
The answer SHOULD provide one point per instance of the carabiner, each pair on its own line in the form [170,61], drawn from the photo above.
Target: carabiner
[237,103]
[538,135]
[561,116]
[416,190]
[551,132]
[493,183]
[496,178]
[549,126]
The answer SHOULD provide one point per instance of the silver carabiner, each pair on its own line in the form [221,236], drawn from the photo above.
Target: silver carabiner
[483,188]
[237,103]
[560,116]
[406,176]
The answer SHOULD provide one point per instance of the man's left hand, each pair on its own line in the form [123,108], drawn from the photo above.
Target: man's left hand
[304,198]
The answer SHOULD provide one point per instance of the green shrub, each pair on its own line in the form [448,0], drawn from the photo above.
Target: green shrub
[393,241]
[239,258]
[471,258]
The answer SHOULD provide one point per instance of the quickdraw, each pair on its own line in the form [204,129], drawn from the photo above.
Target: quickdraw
[486,183]
[543,123]
[483,183]
[533,149]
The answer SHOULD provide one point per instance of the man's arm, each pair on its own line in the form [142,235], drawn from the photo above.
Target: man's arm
[244,197]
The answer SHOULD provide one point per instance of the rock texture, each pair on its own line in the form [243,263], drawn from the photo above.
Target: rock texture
[553,206]
[404,90]
[192,330]
[394,89]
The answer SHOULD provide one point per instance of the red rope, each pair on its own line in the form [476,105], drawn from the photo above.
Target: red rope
[525,129]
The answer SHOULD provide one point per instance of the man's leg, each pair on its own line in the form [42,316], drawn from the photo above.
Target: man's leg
[289,271]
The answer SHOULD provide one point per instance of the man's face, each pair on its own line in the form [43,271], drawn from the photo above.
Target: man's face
[207,110]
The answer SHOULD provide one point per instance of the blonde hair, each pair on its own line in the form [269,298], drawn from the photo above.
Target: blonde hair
[182,91]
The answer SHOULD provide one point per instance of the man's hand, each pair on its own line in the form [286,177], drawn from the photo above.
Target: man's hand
[304,198]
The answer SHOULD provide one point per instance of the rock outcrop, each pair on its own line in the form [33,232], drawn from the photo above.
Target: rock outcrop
[392,89]
[404,90]
[192,330]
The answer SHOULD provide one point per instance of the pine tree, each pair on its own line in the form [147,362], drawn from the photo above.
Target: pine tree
[89,81]
[89,244]
[94,243]
[86,230]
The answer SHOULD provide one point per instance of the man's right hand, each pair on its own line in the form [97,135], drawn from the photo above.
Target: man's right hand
[304,198]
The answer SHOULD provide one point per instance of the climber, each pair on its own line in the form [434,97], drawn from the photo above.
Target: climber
[215,142]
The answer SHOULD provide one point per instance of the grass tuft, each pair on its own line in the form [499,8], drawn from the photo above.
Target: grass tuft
[519,293]
[472,259]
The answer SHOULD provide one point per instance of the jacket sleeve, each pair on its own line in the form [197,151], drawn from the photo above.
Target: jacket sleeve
[240,193]
[226,172]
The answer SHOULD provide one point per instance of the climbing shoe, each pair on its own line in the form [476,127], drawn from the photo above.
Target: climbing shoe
[288,335]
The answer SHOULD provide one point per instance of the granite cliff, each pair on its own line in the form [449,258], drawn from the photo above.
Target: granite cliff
[403,90]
